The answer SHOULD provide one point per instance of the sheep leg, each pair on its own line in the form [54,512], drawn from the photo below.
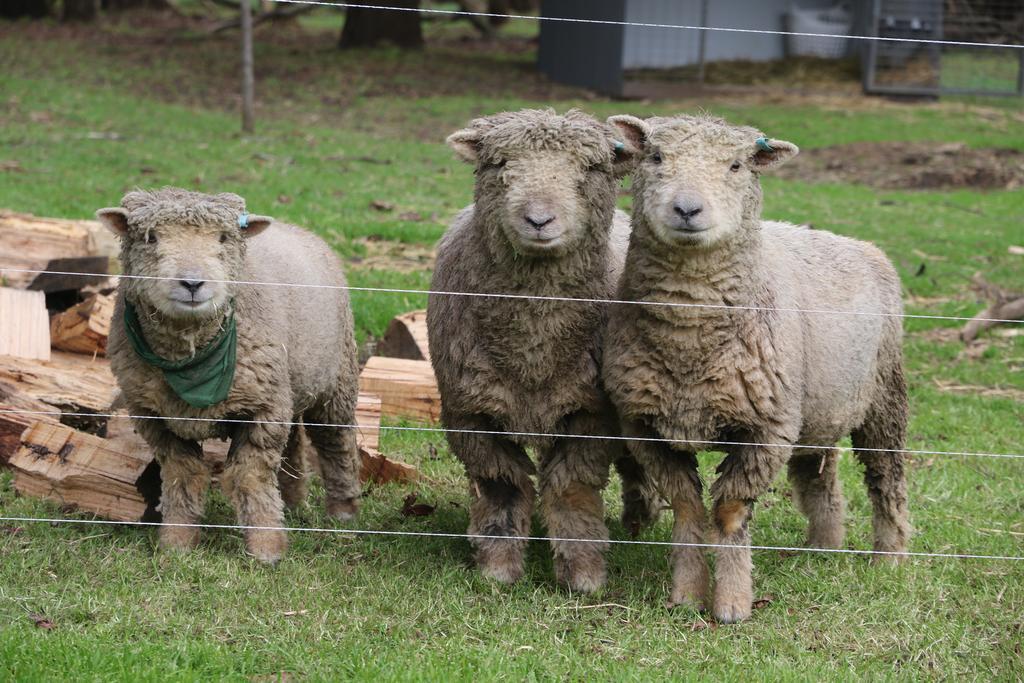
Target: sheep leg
[573,472]
[185,480]
[745,474]
[641,502]
[293,477]
[679,480]
[502,495]
[250,483]
[339,454]
[813,474]
[884,433]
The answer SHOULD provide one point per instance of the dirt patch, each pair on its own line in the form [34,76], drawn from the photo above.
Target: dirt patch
[392,255]
[910,166]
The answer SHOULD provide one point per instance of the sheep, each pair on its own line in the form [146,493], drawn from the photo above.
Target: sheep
[736,362]
[543,223]
[293,358]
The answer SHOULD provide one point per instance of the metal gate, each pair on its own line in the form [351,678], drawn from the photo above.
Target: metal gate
[909,68]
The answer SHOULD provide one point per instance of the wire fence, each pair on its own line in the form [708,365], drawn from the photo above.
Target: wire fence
[643,24]
[534,297]
[523,435]
[920,42]
[555,539]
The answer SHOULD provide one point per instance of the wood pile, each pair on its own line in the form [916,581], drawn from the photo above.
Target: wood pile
[61,431]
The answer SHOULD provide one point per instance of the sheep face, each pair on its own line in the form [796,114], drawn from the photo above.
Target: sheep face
[697,184]
[184,248]
[544,181]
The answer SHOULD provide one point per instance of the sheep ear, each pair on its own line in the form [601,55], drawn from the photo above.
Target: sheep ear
[114,219]
[466,143]
[770,153]
[633,133]
[252,225]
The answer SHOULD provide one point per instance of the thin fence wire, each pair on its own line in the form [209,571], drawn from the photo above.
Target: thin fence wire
[555,539]
[610,22]
[533,297]
[494,432]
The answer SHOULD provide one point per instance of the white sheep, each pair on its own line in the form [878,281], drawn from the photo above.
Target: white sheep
[189,342]
[734,360]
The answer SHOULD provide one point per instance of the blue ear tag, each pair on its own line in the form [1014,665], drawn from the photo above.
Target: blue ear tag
[618,146]
[243,221]
[762,144]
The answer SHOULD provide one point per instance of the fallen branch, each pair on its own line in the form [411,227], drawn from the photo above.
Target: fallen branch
[1007,306]
[278,14]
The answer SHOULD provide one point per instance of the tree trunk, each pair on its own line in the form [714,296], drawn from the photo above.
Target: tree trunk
[134,4]
[16,9]
[80,10]
[369,27]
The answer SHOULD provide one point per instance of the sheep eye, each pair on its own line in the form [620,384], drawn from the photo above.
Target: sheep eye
[150,237]
[735,166]
[656,157]
[223,238]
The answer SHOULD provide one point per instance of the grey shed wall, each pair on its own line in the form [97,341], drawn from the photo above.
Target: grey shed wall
[588,55]
[595,56]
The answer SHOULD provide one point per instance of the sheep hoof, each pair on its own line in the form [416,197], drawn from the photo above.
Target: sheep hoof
[732,610]
[825,540]
[500,560]
[266,546]
[639,513]
[687,601]
[580,576]
[178,538]
[343,510]
[888,560]
[507,574]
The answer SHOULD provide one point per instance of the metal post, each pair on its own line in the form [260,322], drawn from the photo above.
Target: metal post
[248,80]
[703,42]
[1020,73]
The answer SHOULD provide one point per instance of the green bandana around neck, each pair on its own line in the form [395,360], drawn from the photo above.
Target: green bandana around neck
[200,381]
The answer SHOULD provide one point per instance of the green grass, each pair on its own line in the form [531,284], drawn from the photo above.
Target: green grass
[371,607]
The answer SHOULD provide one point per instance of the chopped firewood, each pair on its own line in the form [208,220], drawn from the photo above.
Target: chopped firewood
[69,382]
[407,388]
[376,467]
[83,328]
[381,470]
[25,331]
[368,419]
[86,472]
[17,413]
[30,242]
[1007,306]
[406,337]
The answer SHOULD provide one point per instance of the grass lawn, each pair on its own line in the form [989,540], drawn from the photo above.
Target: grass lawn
[88,113]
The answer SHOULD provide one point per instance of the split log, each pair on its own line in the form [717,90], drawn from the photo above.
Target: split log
[381,470]
[83,328]
[407,388]
[368,419]
[24,324]
[31,242]
[86,472]
[406,337]
[68,381]
[376,467]
[18,412]
[1006,306]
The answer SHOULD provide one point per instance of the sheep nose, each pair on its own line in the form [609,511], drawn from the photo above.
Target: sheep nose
[687,210]
[191,285]
[539,221]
